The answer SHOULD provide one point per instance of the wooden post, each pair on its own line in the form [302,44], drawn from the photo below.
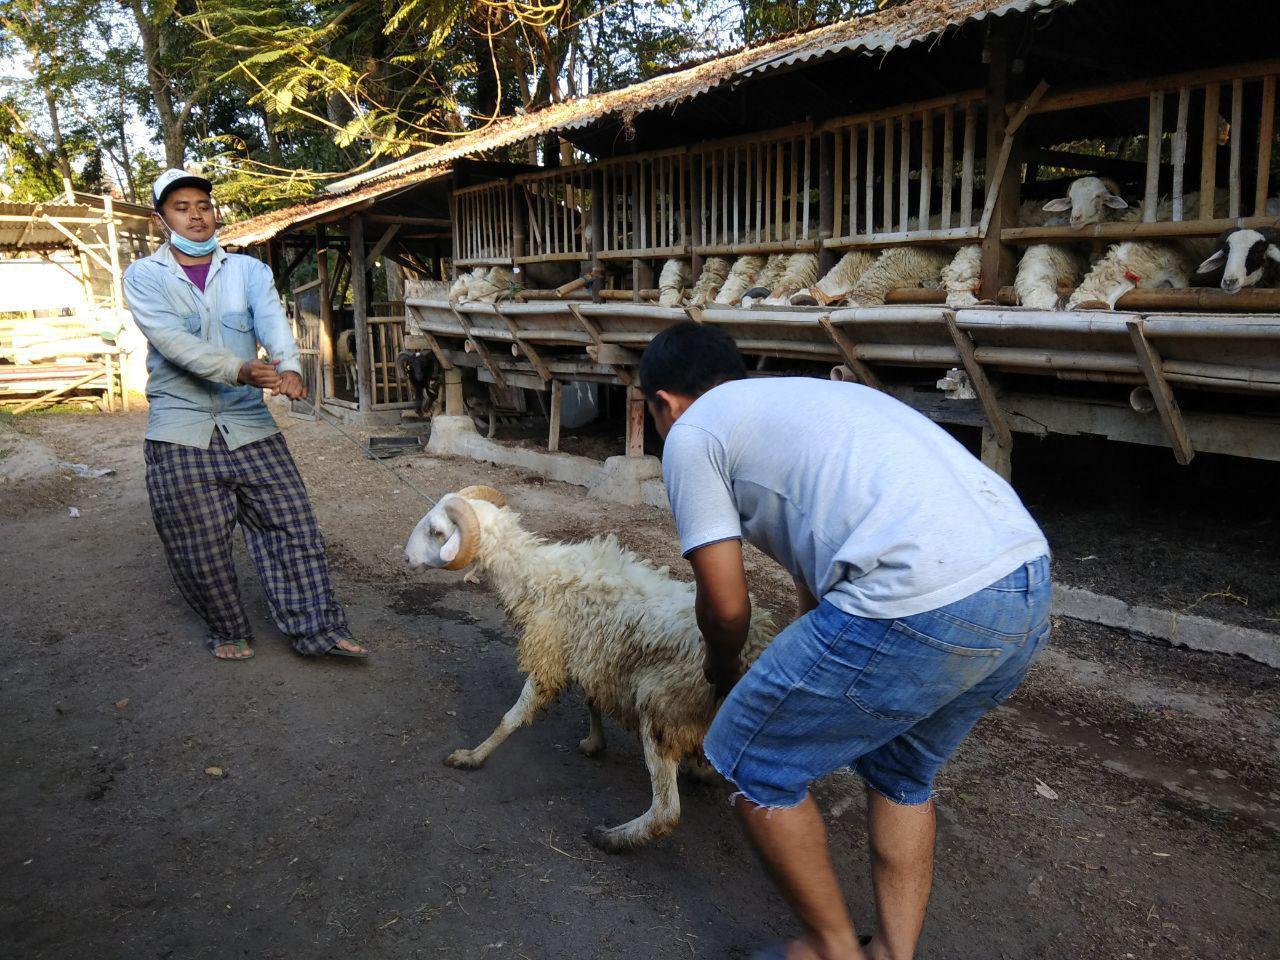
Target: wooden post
[1166,404]
[326,317]
[360,311]
[695,217]
[1209,150]
[553,435]
[635,422]
[997,439]
[597,235]
[826,201]
[1265,132]
[454,405]
[641,277]
[1155,133]
[998,259]
[113,246]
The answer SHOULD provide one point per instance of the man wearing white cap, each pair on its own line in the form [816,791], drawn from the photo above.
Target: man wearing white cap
[214,454]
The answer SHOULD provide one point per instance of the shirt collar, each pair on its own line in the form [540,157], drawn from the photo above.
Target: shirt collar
[165,256]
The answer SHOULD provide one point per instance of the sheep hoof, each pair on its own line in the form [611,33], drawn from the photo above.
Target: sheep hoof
[610,839]
[463,760]
[591,746]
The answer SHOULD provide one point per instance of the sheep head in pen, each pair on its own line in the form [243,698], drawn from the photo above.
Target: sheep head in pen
[594,614]
[1090,200]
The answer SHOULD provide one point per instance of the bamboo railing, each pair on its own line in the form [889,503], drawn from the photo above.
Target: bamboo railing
[556,206]
[483,229]
[645,202]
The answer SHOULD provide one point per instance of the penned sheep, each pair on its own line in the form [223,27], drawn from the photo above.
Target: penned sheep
[838,282]
[597,615]
[710,280]
[1242,258]
[899,267]
[1046,274]
[1134,264]
[672,282]
[963,275]
[742,276]
[770,274]
[800,273]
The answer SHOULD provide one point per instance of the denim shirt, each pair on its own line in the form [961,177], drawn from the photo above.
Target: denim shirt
[198,340]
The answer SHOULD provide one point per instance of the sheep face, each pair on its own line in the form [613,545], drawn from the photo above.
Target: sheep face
[448,537]
[1243,256]
[1089,199]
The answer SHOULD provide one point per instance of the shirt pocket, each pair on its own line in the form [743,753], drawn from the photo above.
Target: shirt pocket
[238,320]
[237,334]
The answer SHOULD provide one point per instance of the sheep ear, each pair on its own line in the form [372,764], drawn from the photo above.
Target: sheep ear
[1061,205]
[449,552]
[1214,262]
[1114,202]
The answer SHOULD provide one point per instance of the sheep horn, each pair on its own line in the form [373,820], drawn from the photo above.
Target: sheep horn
[481,492]
[464,519]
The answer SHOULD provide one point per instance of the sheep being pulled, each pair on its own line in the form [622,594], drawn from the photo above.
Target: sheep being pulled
[1134,264]
[672,282]
[597,615]
[899,267]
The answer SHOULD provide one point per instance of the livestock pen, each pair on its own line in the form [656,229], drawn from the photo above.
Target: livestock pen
[924,136]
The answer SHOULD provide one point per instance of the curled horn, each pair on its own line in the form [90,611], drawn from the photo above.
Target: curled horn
[464,519]
[481,492]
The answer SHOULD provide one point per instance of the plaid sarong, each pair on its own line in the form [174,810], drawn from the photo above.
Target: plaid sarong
[198,497]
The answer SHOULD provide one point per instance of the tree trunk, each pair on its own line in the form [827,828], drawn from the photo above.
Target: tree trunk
[171,122]
[59,145]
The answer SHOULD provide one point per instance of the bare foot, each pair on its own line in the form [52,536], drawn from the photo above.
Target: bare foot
[350,646]
[232,651]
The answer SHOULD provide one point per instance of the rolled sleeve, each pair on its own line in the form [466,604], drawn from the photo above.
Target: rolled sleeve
[270,324]
[167,331]
[697,481]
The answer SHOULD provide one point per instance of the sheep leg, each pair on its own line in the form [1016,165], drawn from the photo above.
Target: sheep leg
[663,813]
[523,712]
[696,766]
[594,742]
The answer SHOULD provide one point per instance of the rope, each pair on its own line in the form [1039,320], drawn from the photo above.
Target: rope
[326,418]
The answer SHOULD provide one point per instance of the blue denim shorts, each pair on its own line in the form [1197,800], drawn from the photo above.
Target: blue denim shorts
[892,699]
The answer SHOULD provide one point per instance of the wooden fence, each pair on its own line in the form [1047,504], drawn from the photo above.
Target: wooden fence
[556,204]
[483,228]
[645,210]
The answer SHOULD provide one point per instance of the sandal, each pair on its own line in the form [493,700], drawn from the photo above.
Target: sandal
[337,651]
[240,645]
[778,951]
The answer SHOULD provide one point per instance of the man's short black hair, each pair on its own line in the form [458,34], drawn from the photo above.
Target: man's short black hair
[689,359]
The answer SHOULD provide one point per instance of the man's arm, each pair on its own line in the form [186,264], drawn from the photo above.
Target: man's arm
[270,324]
[167,331]
[723,608]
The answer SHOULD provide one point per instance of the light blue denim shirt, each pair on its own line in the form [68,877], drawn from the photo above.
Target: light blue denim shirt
[198,341]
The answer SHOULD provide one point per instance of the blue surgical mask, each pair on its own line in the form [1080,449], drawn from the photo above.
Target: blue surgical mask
[192,248]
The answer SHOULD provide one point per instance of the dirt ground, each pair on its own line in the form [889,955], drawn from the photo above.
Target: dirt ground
[155,803]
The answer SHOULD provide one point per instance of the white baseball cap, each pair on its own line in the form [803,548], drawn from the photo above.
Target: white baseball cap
[174,178]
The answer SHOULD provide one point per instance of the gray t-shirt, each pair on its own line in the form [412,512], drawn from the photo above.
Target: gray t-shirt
[868,503]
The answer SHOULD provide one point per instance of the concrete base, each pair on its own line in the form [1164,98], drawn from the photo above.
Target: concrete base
[619,479]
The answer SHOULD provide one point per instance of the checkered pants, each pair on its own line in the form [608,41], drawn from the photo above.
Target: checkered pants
[198,496]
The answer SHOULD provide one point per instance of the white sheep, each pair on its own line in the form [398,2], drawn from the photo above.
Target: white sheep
[710,280]
[672,282]
[770,274]
[1134,264]
[344,349]
[899,267]
[1047,273]
[838,282]
[963,275]
[801,273]
[460,291]
[498,284]
[741,278]
[597,615]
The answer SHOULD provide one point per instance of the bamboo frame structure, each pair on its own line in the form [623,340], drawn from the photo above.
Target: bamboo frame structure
[484,229]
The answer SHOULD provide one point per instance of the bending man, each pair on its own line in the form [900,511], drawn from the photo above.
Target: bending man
[923,595]
[215,456]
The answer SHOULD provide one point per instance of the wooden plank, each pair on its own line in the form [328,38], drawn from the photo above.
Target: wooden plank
[995,176]
[553,427]
[1209,150]
[948,164]
[1137,89]
[904,174]
[527,348]
[868,213]
[967,163]
[593,332]
[482,351]
[849,351]
[54,394]
[806,187]
[998,459]
[887,192]
[635,422]
[952,101]
[1237,131]
[1155,138]
[926,168]
[779,186]
[1266,130]
[386,238]
[1132,231]
[1166,403]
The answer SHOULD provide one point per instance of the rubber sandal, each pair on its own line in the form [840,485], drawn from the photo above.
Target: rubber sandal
[240,646]
[337,651]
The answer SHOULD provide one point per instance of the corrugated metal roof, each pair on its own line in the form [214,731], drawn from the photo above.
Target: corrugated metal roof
[884,30]
[25,226]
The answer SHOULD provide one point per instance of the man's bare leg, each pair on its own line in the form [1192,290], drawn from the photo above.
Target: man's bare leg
[902,872]
[792,843]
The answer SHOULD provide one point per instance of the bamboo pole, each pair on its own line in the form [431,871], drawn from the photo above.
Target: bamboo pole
[870,197]
[1209,150]
[553,431]
[1166,403]
[948,164]
[967,163]
[1155,136]
[888,176]
[1136,89]
[1180,153]
[904,174]
[1266,131]
[926,168]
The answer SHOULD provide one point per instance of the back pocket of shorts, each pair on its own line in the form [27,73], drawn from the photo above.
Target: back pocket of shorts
[911,675]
